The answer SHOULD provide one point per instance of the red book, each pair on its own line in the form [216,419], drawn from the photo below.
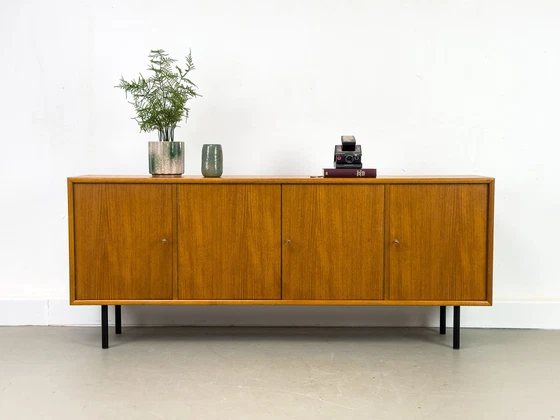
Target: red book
[349,173]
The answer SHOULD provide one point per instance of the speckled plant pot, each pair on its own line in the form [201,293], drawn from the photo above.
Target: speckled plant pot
[166,158]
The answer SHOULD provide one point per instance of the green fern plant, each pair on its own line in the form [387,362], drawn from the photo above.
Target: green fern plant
[160,100]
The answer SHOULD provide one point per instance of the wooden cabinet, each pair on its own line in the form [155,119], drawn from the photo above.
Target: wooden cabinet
[438,242]
[229,237]
[384,241]
[122,242]
[332,244]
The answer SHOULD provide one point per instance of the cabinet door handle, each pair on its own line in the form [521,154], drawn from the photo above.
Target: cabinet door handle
[164,240]
[289,241]
[396,242]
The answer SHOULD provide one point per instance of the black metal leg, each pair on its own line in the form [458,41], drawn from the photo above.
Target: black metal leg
[118,324]
[456,327]
[104,327]
[442,320]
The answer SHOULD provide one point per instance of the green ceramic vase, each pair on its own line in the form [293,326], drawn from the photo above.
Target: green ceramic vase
[212,160]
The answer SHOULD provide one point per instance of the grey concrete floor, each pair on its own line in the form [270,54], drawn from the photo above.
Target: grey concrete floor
[278,373]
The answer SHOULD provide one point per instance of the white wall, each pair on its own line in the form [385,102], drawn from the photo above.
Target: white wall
[427,87]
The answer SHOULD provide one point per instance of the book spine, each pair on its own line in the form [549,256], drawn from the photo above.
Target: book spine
[350,173]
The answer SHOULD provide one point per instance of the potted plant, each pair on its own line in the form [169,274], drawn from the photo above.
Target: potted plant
[160,103]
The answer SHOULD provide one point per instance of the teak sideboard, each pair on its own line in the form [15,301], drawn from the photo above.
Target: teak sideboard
[138,240]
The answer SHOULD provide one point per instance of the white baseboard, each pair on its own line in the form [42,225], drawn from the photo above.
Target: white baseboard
[505,314]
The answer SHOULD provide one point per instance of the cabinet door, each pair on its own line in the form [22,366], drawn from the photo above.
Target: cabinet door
[332,241]
[229,241]
[123,241]
[438,241]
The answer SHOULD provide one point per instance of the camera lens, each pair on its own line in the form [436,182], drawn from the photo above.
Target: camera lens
[349,159]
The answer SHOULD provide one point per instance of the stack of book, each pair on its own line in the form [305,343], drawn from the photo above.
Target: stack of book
[349,173]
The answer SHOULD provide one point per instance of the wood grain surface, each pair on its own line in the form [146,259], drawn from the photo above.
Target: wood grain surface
[281,240]
[315,180]
[332,244]
[437,242]
[123,241]
[229,241]
[288,302]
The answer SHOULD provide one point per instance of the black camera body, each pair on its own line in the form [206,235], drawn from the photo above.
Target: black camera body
[348,154]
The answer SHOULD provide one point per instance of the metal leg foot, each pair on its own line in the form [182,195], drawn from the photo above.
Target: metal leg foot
[456,327]
[104,327]
[118,323]
[442,320]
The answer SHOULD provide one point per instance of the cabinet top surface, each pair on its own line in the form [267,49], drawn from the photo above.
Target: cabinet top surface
[188,179]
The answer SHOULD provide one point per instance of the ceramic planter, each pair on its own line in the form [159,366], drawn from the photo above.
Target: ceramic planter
[166,158]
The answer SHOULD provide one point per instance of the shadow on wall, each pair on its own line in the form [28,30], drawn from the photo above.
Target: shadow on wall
[282,316]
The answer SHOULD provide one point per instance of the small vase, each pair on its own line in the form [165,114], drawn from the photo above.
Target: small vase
[166,158]
[212,160]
